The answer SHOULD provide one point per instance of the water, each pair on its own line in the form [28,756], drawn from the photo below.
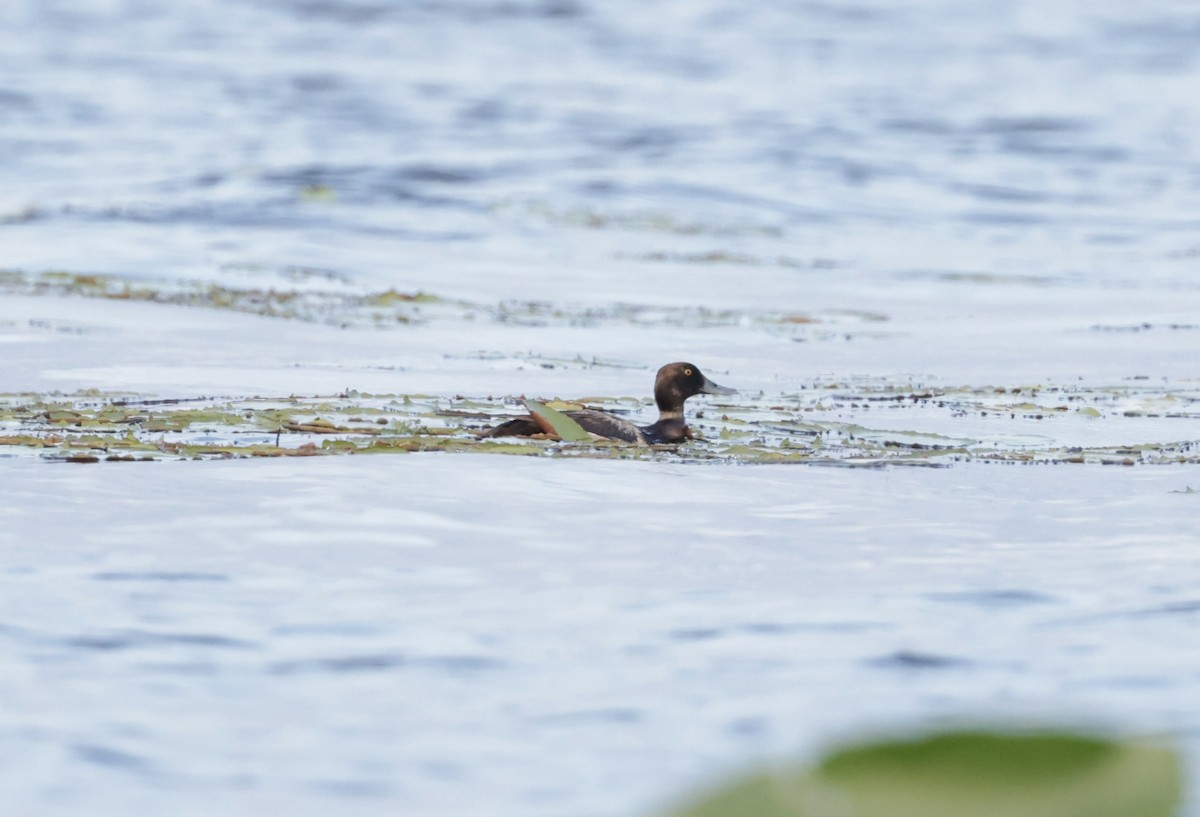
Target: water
[468,143]
[964,194]
[353,633]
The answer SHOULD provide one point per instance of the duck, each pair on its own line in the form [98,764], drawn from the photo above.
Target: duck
[673,384]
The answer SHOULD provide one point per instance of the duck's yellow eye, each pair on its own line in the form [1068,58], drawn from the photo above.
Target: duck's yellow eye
[687,372]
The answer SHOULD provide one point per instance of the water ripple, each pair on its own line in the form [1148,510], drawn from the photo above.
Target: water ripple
[379,662]
[169,577]
[112,758]
[144,639]
[913,660]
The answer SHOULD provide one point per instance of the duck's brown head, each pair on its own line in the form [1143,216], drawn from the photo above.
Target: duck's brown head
[677,382]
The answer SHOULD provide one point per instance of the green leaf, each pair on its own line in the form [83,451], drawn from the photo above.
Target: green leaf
[338,445]
[966,774]
[567,429]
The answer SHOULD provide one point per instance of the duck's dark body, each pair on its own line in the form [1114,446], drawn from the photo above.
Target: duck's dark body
[675,383]
[602,424]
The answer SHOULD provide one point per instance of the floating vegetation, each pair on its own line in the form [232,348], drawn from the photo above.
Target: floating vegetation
[1145,327]
[641,220]
[339,305]
[979,278]
[733,259]
[863,424]
[319,306]
[554,423]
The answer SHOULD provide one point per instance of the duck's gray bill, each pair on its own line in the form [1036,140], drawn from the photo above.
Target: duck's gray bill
[710,387]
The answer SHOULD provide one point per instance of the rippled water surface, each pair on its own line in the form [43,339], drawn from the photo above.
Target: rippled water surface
[363,635]
[485,198]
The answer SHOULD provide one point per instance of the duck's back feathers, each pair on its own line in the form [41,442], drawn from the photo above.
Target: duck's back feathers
[518,427]
[600,423]
[607,425]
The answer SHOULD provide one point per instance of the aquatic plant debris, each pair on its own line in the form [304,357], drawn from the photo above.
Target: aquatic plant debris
[850,424]
[277,295]
[565,428]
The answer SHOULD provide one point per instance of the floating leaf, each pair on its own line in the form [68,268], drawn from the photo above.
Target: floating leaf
[558,423]
[338,445]
[318,426]
[27,440]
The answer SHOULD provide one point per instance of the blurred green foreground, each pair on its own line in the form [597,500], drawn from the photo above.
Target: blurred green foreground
[964,774]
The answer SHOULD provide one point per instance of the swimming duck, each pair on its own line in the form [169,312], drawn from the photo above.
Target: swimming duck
[675,383]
